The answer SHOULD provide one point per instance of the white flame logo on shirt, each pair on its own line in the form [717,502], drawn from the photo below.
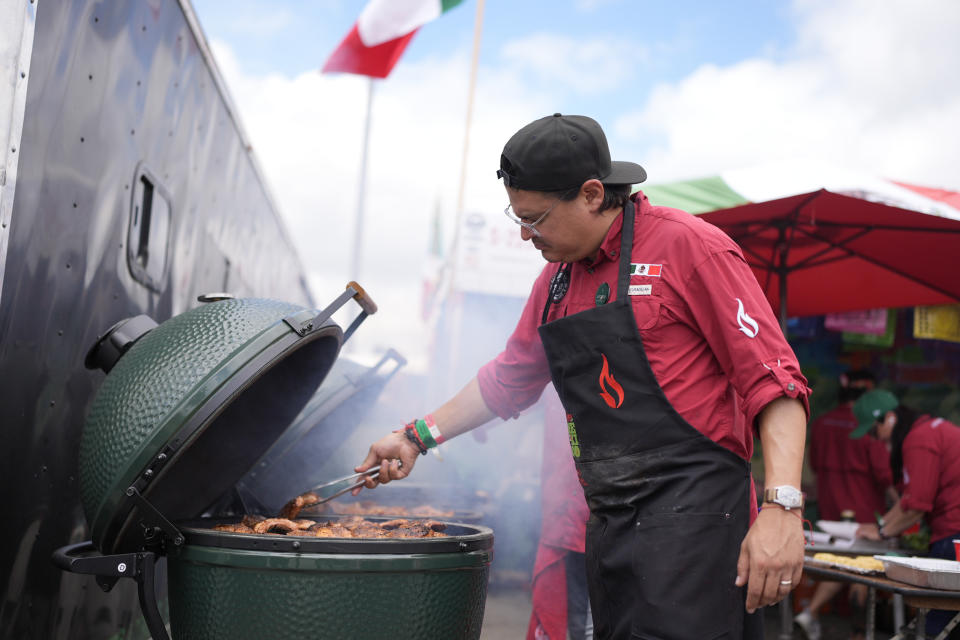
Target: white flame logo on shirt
[747,324]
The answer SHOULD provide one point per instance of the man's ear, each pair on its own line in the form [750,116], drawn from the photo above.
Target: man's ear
[592,192]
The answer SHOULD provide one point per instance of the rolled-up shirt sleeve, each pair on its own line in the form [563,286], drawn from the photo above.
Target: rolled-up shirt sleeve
[514,379]
[744,335]
[921,471]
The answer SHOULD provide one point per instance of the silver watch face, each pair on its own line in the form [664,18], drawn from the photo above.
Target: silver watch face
[790,497]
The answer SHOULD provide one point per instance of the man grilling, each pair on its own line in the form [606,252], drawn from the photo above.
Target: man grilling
[667,359]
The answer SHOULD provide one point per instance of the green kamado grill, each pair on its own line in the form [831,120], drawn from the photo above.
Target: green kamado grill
[186,409]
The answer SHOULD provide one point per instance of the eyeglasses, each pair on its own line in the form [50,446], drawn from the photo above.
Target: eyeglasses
[529,226]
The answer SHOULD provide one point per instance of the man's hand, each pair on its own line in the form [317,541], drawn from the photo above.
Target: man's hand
[389,452]
[771,557]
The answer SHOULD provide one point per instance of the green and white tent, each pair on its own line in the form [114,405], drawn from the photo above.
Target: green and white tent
[780,180]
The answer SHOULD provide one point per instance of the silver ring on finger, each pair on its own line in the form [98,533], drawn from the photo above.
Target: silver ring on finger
[786,583]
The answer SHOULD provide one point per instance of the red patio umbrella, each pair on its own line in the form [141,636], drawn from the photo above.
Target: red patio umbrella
[823,252]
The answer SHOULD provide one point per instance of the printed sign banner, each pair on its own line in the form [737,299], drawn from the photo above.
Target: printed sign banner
[884,340]
[938,323]
[493,258]
[872,321]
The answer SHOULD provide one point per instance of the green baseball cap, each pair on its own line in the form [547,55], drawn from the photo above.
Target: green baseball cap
[870,407]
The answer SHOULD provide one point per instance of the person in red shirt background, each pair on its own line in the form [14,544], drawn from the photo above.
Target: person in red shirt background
[924,451]
[853,481]
[561,608]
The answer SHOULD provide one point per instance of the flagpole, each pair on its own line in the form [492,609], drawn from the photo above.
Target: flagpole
[361,194]
[477,35]
[457,304]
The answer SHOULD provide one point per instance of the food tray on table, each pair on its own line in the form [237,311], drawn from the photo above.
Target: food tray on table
[864,565]
[838,528]
[934,573]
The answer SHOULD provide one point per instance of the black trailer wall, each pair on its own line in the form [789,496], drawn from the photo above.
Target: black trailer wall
[136,191]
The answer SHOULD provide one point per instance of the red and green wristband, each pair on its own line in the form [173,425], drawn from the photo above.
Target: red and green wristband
[423,433]
[429,433]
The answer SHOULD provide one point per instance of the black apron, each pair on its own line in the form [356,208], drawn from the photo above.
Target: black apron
[668,506]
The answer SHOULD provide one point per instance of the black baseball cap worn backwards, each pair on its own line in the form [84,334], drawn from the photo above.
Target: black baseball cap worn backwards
[559,152]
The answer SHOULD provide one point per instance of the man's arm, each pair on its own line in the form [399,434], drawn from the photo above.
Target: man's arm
[772,551]
[463,412]
[895,522]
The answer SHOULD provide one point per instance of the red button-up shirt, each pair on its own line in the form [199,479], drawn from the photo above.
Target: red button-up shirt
[851,474]
[931,475]
[708,331]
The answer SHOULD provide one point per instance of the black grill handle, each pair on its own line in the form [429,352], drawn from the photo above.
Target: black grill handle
[140,566]
[74,558]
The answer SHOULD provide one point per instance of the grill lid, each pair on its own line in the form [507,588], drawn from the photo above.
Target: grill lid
[190,405]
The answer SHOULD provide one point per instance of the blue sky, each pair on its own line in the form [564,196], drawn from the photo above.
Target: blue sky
[687,89]
[293,37]
[670,39]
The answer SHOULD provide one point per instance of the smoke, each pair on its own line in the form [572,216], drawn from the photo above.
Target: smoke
[490,476]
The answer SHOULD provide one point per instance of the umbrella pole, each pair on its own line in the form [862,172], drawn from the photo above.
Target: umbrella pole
[782,270]
[783,300]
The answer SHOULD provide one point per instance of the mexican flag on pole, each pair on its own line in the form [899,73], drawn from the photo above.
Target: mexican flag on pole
[381,34]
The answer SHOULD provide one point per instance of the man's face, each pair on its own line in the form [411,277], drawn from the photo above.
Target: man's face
[563,233]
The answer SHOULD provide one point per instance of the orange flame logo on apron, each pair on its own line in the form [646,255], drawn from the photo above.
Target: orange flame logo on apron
[607,381]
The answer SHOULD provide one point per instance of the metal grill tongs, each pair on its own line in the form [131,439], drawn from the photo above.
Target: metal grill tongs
[330,490]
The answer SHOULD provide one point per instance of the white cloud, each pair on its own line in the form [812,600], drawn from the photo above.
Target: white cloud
[575,64]
[867,87]
[307,133]
[871,85]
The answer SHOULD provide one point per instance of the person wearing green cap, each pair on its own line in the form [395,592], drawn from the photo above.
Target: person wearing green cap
[923,457]
[853,480]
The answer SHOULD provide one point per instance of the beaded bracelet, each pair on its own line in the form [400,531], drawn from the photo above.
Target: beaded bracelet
[410,431]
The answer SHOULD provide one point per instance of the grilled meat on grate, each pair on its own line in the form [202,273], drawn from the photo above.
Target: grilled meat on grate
[351,527]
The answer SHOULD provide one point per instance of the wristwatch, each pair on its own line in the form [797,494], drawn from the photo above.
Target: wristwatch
[786,496]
